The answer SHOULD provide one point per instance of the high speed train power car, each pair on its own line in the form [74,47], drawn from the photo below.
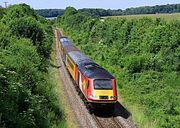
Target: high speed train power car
[97,85]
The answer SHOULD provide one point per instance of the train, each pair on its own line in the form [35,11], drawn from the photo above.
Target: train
[96,84]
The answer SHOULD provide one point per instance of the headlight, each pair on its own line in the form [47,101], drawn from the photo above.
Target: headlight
[93,97]
[113,97]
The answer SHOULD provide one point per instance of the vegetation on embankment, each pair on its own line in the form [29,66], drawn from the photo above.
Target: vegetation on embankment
[144,56]
[27,98]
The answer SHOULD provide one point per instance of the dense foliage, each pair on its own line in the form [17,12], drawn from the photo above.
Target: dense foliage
[97,12]
[2,11]
[26,96]
[143,54]
[50,12]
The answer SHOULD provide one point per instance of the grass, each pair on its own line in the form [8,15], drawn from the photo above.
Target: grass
[167,17]
[68,119]
[138,116]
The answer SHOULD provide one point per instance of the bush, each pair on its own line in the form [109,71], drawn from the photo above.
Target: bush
[26,95]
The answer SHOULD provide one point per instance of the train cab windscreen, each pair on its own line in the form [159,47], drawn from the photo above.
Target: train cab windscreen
[102,84]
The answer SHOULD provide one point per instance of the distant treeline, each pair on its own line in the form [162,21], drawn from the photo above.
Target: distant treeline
[50,12]
[169,8]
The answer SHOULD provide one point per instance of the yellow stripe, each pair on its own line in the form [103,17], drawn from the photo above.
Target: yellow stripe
[71,67]
[103,93]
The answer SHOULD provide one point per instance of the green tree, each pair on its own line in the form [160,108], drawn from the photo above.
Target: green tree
[26,94]
[27,27]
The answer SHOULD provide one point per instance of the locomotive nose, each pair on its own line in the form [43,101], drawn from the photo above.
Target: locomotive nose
[103,90]
[105,95]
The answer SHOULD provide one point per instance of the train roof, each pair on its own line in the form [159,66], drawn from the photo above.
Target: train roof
[79,58]
[88,67]
[70,48]
[95,71]
[63,38]
[65,42]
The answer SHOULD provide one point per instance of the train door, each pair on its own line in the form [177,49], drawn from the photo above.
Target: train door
[79,80]
[87,87]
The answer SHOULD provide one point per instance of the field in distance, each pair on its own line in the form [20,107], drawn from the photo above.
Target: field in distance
[167,17]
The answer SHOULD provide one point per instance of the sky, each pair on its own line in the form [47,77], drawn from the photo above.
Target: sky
[78,4]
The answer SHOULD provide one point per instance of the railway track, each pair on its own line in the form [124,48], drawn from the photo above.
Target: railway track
[84,119]
[99,125]
[110,122]
[117,123]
